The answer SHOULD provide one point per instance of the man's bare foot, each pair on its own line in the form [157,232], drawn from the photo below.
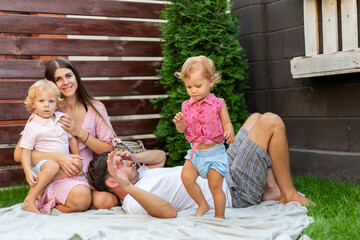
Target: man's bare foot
[297,197]
[271,194]
[202,210]
[30,206]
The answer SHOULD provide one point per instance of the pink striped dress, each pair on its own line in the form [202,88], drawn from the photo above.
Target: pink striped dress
[60,189]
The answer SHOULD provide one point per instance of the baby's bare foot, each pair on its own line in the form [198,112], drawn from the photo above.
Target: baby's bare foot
[202,210]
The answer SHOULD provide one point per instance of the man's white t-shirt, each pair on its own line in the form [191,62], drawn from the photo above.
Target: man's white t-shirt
[166,183]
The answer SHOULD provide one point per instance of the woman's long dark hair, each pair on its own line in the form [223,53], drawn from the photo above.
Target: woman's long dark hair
[81,93]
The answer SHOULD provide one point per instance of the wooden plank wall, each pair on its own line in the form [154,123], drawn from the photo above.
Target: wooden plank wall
[113,44]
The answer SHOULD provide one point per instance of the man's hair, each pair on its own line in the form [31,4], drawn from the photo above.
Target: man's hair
[42,86]
[98,172]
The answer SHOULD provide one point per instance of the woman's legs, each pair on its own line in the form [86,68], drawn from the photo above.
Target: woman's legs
[103,200]
[189,175]
[78,200]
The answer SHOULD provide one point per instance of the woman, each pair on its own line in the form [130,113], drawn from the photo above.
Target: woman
[88,121]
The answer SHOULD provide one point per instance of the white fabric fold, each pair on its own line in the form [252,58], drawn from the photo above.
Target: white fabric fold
[269,220]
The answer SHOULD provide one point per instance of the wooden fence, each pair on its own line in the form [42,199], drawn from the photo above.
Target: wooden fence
[113,44]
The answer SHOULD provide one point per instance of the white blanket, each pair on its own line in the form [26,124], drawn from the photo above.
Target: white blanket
[269,220]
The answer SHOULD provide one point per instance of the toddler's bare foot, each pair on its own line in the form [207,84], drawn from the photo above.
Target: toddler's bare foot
[30,206]
[202,210]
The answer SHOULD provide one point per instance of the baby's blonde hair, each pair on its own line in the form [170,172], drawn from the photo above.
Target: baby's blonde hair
[41,86]
[193,64]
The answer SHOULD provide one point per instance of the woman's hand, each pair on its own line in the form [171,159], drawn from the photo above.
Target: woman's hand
[70,126]
[70,164]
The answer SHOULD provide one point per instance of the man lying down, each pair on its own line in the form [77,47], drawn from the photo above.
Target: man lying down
[159,192]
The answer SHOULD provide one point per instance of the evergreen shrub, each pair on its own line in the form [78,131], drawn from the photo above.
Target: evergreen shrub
[199,27]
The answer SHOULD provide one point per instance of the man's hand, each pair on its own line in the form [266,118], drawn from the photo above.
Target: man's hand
[116,171]
[127,156]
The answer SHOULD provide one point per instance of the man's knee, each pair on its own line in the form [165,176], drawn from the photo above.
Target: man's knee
[251,121]
[272,120]
[255,115]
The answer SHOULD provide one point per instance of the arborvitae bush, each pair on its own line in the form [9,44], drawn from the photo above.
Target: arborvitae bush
[199,27]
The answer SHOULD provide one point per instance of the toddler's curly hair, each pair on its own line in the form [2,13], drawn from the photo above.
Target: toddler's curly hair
[39,87]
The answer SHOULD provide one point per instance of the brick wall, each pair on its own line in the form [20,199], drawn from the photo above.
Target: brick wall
[321,113]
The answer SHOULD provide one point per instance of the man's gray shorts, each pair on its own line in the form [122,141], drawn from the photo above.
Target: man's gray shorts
[248,165]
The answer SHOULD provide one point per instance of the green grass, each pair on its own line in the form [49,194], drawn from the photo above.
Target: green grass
[337,211]
[336,214]
[13,195]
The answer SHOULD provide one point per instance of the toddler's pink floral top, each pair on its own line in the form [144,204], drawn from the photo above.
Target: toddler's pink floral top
[202,121]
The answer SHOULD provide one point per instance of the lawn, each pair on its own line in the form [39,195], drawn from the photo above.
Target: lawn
[337,210]
[336,213]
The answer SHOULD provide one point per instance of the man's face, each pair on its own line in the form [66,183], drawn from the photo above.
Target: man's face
[130,169]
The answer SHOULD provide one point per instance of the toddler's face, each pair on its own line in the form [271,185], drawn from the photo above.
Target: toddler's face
[197,86]
[45,105]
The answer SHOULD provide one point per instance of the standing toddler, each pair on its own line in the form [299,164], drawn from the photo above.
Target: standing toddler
[205,122]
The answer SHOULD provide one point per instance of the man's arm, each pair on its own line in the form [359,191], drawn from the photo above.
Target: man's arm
[151,158]
[154,205]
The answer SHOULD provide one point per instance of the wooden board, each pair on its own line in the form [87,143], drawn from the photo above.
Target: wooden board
[11,133]
[349,25]
[15,110]
[35,68]
[326,64]
[84,7]
[17,89]
[311,29]
[11,176]
[24,46]
[330,26]
[15,23]
[134,127]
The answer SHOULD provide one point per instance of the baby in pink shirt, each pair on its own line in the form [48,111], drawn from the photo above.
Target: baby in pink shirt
[43,132]
[205,122]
